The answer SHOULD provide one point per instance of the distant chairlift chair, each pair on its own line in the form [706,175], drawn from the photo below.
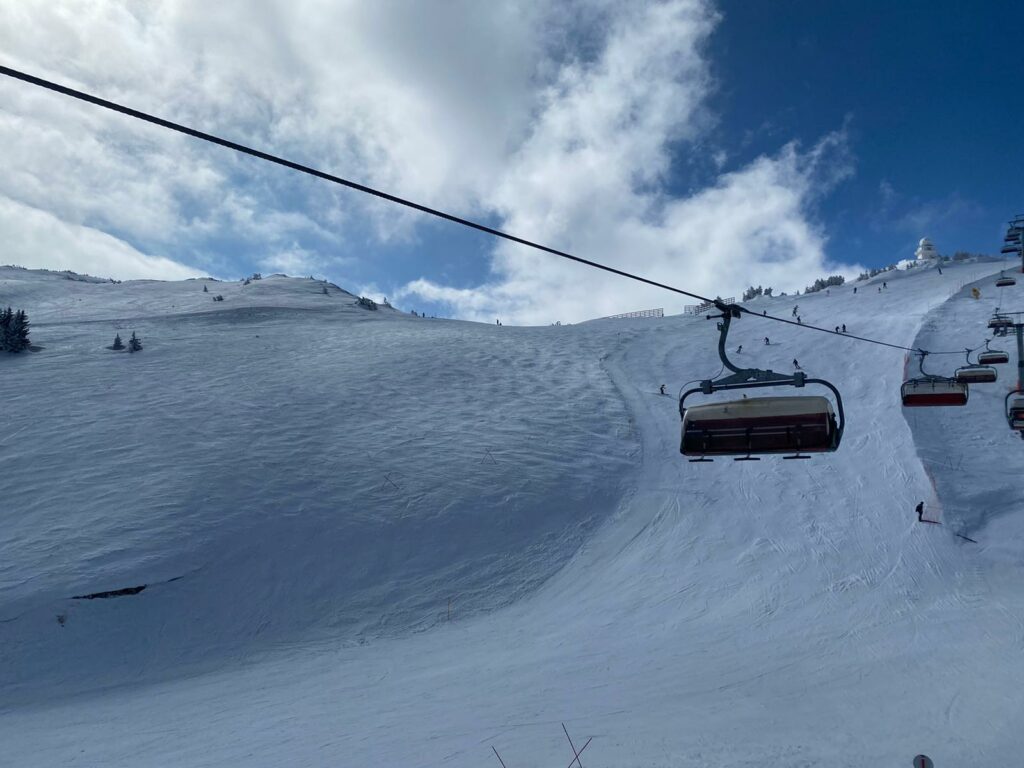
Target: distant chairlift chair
[1014,406]
[930,391]
[1000,324]
[975,373]
[1004,281]
[993,356]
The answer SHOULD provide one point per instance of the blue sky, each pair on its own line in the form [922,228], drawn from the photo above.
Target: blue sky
[709,145]
[926,90]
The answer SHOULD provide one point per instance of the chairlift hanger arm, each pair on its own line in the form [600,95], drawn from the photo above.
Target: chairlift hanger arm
[740,375]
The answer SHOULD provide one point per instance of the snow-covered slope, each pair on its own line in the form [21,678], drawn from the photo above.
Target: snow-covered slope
[296,465]
[305,485]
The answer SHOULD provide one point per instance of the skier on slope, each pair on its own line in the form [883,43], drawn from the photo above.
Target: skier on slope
[920,511]
[796,364]
[663,389]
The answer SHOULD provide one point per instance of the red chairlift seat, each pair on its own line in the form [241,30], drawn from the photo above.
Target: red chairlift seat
[993,357]
[760,425]
[976,374]
[934,392]
[1004,282]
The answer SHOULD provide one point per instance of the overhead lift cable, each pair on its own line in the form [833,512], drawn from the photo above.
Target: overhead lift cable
[830,331]
[106,104]
[329,177]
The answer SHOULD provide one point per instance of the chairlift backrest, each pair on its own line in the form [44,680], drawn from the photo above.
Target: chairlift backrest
[760,425]
[976,374]
[993,357]
[933,392]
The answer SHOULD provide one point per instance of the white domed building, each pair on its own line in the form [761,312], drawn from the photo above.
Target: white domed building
[925,250]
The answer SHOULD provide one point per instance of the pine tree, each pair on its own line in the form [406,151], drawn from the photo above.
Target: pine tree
[19,332]
[134,345]
[14,330]
[205,289]
[6,317]
[118,344]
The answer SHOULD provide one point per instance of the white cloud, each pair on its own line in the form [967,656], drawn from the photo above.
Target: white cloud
[296,260]
[589,180]
[562,121]
[750,228]
[425,100]
[37,239]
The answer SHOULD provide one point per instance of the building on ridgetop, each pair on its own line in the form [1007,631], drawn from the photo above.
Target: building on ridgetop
[925,250]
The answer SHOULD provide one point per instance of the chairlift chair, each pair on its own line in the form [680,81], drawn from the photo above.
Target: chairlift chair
[917,393]
[1005,282]
[1015,410]
[1001,324]
[794,426]
[1010,249]
[929,391]
[975,373]
[993,357]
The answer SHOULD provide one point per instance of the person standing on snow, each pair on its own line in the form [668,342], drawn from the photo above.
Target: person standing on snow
[920,511]
[766,341]
[663,389]
[796,364]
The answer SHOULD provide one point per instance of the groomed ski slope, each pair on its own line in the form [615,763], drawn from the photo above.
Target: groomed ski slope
[325,479]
